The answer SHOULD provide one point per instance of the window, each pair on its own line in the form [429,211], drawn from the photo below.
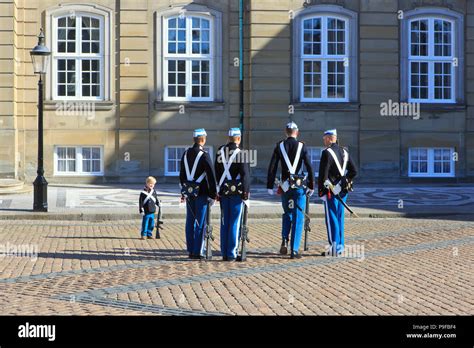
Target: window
[173,159]
[325,55]
[188,59]
[431,60]
[91,162]
[314,154]
[66,160]
[431,162]
[173,156]
[78,160]
[432,56]
[78,57]
[79,36]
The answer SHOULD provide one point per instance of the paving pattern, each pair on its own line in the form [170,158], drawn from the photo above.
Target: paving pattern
[381,196]
[89,198]
[393,266]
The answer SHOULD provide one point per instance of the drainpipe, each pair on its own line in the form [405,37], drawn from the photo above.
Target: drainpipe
[241,66]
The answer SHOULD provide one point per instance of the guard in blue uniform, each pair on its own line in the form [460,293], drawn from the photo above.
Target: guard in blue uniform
[295,187]
[198,188]
[232,173]
[336,172]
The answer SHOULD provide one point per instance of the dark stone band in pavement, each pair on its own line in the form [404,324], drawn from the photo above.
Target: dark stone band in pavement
[99,297]
[153,263]
[104,292]
[136,306]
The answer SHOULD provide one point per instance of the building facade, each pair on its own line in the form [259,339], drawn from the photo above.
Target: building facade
[129,80]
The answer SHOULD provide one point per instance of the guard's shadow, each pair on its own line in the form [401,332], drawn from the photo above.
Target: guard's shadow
[15,209]
[94,237]
[276,255]
[121,254]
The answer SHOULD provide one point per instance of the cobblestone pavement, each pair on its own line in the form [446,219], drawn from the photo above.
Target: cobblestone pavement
[393,266]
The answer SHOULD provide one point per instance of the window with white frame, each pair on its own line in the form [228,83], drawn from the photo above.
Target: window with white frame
[78,51]
[432,65]
[431,60]
[431,162]
[188,58]
[324,59]
[314,154]
[173,155]
[78,160]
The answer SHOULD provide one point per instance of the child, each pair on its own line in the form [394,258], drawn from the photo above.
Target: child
[148,203]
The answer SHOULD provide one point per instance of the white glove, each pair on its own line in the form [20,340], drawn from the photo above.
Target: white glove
[309,193]
[270,192]
[211,201]
[328,185]
[336,189]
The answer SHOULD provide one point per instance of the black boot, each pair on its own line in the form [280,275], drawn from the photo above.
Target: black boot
[295,255]
[284,247]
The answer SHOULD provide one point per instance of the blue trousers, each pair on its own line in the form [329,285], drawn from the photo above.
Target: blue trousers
[293,218]
[148,223]
[196,210]
[231,218]
[334,216]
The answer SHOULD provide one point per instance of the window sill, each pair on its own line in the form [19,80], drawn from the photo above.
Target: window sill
[430,176]
[98,104]
[338,106]
[197,106]
[434,107]
[76,174]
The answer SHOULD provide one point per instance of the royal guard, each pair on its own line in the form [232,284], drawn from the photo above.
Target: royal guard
[232,173]
[336,172]
[198,189]
[295,186]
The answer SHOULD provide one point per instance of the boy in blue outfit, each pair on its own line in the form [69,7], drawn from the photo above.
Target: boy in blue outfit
[148,203]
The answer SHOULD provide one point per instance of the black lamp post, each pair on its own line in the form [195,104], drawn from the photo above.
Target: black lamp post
[40,58]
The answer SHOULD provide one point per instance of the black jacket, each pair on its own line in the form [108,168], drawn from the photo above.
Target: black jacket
[208,184]
[291,146]
[236,168]
[150,206]
[328,168]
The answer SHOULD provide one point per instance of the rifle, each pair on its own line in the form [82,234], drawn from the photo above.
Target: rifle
[244,235]
[159,221]
[209,237]
[307,224]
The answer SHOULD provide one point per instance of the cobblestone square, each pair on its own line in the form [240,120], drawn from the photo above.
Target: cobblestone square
[399,266]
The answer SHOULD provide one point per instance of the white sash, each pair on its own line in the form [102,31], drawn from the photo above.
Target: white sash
[227,165]
[291,167]
[190,175]
[342,170]
[149,195]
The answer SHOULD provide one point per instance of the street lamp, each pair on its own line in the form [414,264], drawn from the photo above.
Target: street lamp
[40,58]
